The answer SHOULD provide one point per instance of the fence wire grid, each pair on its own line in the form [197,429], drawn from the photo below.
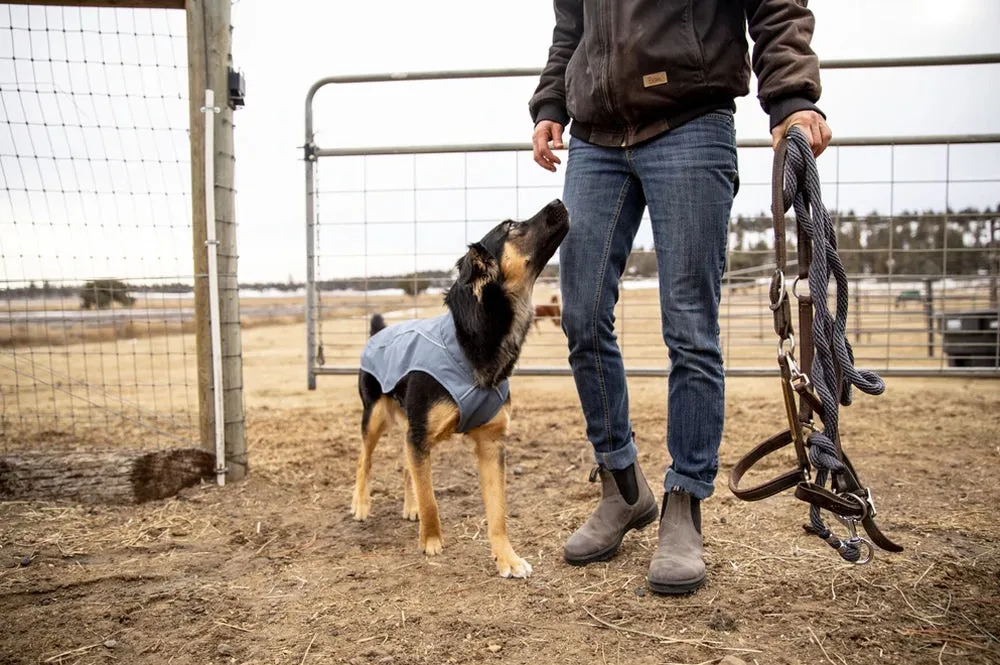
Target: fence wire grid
[923,283]
[918,221]
[95,229]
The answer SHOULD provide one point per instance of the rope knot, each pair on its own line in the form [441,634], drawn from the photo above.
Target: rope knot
[823,452]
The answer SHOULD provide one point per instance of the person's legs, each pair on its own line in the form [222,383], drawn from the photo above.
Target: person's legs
[690,177]
[605,203]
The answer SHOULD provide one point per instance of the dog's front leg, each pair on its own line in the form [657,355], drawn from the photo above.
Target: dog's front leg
[419,459]
[492,464]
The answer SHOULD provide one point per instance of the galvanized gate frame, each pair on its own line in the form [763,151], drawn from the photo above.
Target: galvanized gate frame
[312,153]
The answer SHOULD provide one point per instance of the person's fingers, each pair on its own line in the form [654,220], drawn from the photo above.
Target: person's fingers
[826,135]
[811,124]
[539,148]
[540,144]
[545,132]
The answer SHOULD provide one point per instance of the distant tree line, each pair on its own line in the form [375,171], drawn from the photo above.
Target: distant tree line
[917,239]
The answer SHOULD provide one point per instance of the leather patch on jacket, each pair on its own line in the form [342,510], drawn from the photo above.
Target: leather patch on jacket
[651,80]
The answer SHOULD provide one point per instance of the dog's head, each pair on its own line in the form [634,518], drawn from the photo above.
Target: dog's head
[512,254]
[491,299]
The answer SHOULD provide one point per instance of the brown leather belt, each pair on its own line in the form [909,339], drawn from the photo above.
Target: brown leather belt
[847,499]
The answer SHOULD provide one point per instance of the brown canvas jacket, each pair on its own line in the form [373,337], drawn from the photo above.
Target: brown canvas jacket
[625,71]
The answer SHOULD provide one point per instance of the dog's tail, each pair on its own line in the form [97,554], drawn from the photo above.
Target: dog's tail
[377,324]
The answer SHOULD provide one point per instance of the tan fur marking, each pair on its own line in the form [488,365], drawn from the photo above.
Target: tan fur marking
[442,419]
[515,267]
[490,272]
[495,428]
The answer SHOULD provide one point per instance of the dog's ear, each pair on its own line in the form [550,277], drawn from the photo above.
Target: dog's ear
[475,265]
[472,299]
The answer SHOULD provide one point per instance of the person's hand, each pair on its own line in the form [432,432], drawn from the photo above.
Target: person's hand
[810,122]
[546,131]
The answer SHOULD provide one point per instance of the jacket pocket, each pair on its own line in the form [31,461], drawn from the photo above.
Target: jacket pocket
[695,40]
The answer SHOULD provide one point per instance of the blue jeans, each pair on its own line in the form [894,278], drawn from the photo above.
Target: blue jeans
[688,178]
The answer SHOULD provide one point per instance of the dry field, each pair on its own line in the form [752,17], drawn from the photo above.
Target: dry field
[273,569]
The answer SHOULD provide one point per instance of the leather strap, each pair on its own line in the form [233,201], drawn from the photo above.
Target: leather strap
[768,488]
[806,344]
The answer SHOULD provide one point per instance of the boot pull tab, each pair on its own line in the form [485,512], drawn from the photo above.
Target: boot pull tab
[594,472]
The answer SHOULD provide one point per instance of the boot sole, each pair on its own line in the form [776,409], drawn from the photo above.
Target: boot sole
[603,555]
[678,589]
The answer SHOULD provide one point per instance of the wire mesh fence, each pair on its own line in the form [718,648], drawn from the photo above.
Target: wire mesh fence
[919,233]
[95,229]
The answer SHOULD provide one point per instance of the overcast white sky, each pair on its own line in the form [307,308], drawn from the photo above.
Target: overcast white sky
[283,47]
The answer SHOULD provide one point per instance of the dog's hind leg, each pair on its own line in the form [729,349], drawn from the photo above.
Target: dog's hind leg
[409,498]
[441,420]
[374,422]
[492,481]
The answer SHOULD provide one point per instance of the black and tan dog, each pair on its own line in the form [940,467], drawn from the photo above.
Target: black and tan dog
[449,375]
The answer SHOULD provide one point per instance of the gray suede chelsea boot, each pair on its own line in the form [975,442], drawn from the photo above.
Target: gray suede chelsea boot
[677,566]
[626,503]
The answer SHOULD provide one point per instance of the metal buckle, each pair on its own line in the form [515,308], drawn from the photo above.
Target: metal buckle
[778,275]
[865,507]
[795,291]
[870,501]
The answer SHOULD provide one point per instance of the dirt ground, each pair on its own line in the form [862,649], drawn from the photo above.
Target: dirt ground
[274,570]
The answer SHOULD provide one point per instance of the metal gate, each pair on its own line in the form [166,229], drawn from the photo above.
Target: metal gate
[923,286]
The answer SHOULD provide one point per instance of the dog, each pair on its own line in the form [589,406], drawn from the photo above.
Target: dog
[552,312]
[449,374]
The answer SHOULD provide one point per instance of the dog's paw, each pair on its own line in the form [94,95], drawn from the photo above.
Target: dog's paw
[513,566]
[361,508]
[410,513]
[432,545]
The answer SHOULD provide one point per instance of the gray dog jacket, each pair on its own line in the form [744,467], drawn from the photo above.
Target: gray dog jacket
[431,346]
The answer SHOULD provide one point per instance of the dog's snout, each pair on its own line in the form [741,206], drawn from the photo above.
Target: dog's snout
[556,213]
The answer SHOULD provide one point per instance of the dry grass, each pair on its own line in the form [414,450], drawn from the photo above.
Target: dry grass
[262,571]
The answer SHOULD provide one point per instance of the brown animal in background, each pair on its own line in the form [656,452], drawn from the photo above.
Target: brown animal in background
[552,312]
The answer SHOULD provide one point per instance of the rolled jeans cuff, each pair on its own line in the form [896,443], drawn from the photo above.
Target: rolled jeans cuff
[699,489]
[619,459]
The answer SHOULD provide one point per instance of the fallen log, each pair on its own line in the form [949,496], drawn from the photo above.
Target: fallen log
[112,476]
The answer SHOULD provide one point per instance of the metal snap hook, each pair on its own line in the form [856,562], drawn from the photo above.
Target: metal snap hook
[864,544]
[789,353]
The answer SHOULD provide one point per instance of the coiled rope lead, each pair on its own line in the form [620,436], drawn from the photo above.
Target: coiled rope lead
[833,355]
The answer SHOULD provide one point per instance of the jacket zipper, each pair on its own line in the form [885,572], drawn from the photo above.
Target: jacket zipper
[605,69]
[604,81]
